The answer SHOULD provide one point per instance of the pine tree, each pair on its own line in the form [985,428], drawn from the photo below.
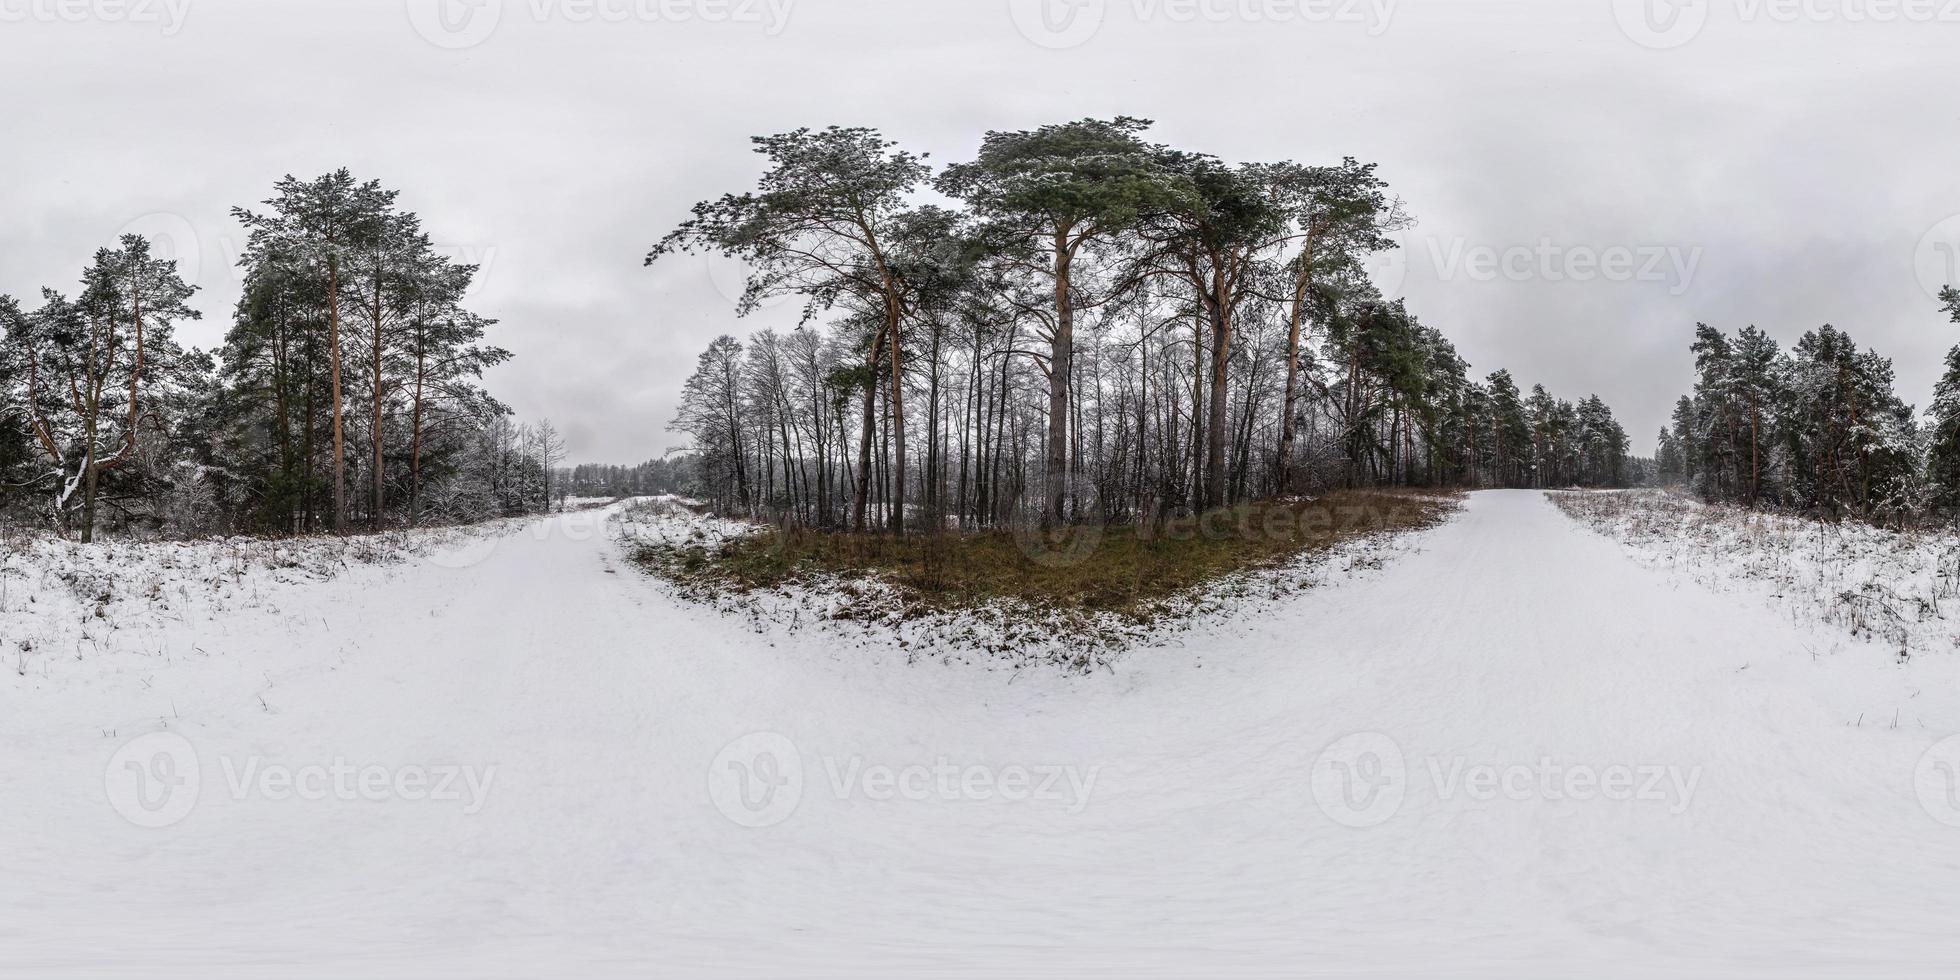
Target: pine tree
[1714,439]
[1510,432]
[1668,463]
[1854,442]
[1338,215]
[1602,445]
[347,302]
[16,452]
[317,226]
[1757,386]
[92,373]
[817,227]
[1541,411]
[1054,192]
[1685,440]
[1943,455]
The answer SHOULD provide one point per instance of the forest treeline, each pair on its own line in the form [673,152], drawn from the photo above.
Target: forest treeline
[1081,323]
[1815,428]
[347,394]
[651,478]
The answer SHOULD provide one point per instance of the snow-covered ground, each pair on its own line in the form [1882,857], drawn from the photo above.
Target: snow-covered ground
[1901,589]
[578,503]
[1512,751]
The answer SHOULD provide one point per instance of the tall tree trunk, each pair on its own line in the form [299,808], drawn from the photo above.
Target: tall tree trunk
[375,422]
[1290,400]
[280,370]
[1197,406]
[1755,463]
[867,434]
[415,438]
[1221,353]
[309,448]
[90,473]
[892,320]
[333,357]
[99,348]
[1061,348]
[933,504]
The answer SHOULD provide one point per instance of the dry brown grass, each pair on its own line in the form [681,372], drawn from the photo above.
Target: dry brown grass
[1122,569]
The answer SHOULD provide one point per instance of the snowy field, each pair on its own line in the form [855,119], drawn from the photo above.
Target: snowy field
[1898,589]
[1510,750]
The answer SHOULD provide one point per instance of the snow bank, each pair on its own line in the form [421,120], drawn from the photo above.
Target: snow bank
[1901,589]
[215,617]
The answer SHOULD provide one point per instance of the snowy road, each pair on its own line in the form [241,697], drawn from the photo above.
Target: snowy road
[1514,753]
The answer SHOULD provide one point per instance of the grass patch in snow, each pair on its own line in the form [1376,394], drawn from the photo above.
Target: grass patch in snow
[1125,571]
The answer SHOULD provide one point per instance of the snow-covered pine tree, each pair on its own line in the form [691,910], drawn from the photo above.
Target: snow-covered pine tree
[1943,451]
[89,376]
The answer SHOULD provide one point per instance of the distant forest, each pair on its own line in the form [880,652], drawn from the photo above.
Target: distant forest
[1098,327]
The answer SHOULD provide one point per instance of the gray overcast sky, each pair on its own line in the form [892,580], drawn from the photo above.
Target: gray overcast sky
[1801,158]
